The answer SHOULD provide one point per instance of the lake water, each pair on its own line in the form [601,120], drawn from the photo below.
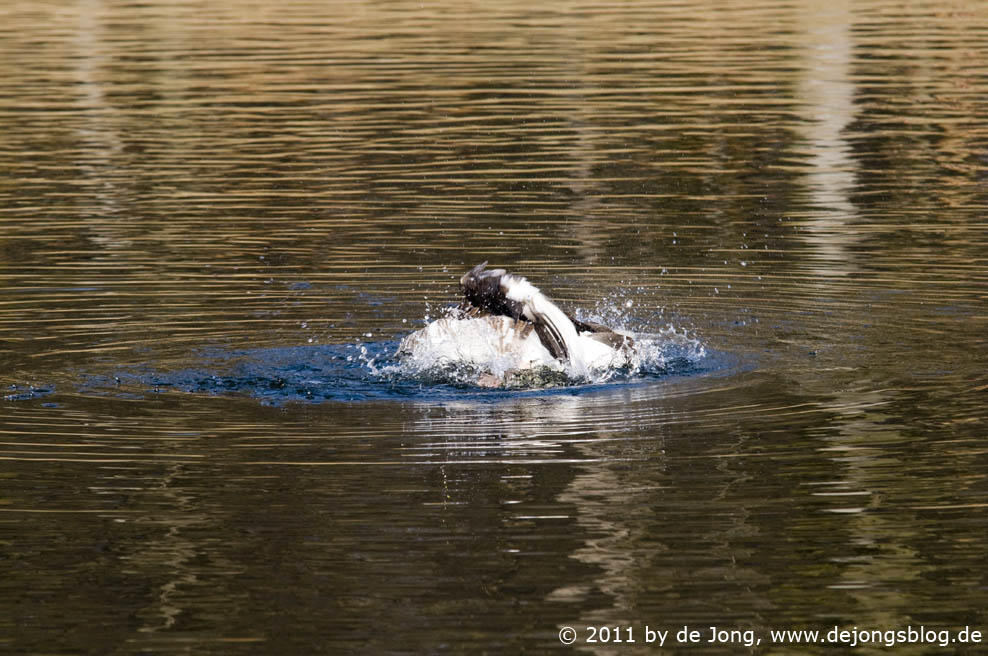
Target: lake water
[217,219]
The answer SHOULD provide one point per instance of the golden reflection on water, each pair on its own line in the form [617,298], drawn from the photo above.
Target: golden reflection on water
[801,188]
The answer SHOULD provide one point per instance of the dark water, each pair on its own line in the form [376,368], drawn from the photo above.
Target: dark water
[217,219]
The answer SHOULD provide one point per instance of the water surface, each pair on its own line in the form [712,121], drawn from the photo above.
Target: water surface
[218,219]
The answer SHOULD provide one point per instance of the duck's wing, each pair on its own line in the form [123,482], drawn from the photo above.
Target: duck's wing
[551,341]
[601,333]
[589,326]
[554,328]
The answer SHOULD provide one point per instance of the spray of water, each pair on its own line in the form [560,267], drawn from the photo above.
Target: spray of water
[368,369]
[470,353]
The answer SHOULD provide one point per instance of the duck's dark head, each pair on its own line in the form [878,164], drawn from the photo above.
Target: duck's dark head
[482,289]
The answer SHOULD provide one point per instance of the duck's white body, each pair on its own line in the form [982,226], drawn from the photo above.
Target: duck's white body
[495,343]
[501,344]
[507,324]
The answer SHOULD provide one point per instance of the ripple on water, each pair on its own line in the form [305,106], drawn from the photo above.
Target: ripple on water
[372,370]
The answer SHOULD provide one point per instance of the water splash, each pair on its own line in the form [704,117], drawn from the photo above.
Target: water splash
[366,370]
[17,392]
[468,353]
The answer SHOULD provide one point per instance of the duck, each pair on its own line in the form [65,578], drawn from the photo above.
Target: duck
[507,325]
